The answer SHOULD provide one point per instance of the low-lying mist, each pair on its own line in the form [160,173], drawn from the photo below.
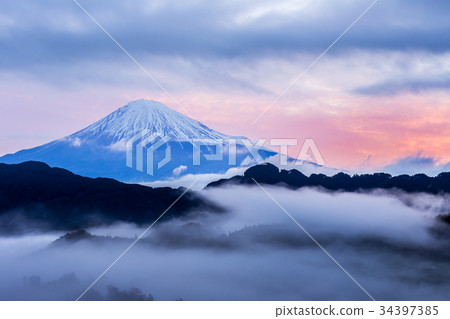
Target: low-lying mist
[392,243]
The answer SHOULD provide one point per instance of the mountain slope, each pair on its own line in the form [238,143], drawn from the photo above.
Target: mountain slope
[33,195]
[141,115]
[99,150]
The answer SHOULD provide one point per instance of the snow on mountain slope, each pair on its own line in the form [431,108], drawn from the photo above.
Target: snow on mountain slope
[100,150]
[144,115]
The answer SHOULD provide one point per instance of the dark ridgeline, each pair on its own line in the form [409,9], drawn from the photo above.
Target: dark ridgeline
[34,196]
[269,174]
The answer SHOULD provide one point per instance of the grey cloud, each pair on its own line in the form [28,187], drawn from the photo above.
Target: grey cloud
[394,88]
[51,32]
[415,164]
[200,42]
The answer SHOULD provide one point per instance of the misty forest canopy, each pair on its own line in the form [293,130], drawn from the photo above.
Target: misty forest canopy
[270,174]
[34,195]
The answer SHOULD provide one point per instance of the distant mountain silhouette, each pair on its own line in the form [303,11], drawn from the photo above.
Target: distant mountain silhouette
[34,196]
[200,236]
[82,235]
[269,174]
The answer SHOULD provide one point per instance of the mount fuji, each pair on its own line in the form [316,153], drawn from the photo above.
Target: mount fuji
[145,115]
[100,150]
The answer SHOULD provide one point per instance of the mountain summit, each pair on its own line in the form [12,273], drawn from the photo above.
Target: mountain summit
[100,150]
[145,115]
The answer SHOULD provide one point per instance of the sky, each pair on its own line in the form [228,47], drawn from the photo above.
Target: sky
[379,98]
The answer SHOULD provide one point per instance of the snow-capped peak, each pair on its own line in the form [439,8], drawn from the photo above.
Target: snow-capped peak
[145,115]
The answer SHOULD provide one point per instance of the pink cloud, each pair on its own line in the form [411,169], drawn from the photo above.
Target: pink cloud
[380,128]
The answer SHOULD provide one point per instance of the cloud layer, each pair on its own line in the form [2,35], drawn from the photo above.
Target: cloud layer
[391,243]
